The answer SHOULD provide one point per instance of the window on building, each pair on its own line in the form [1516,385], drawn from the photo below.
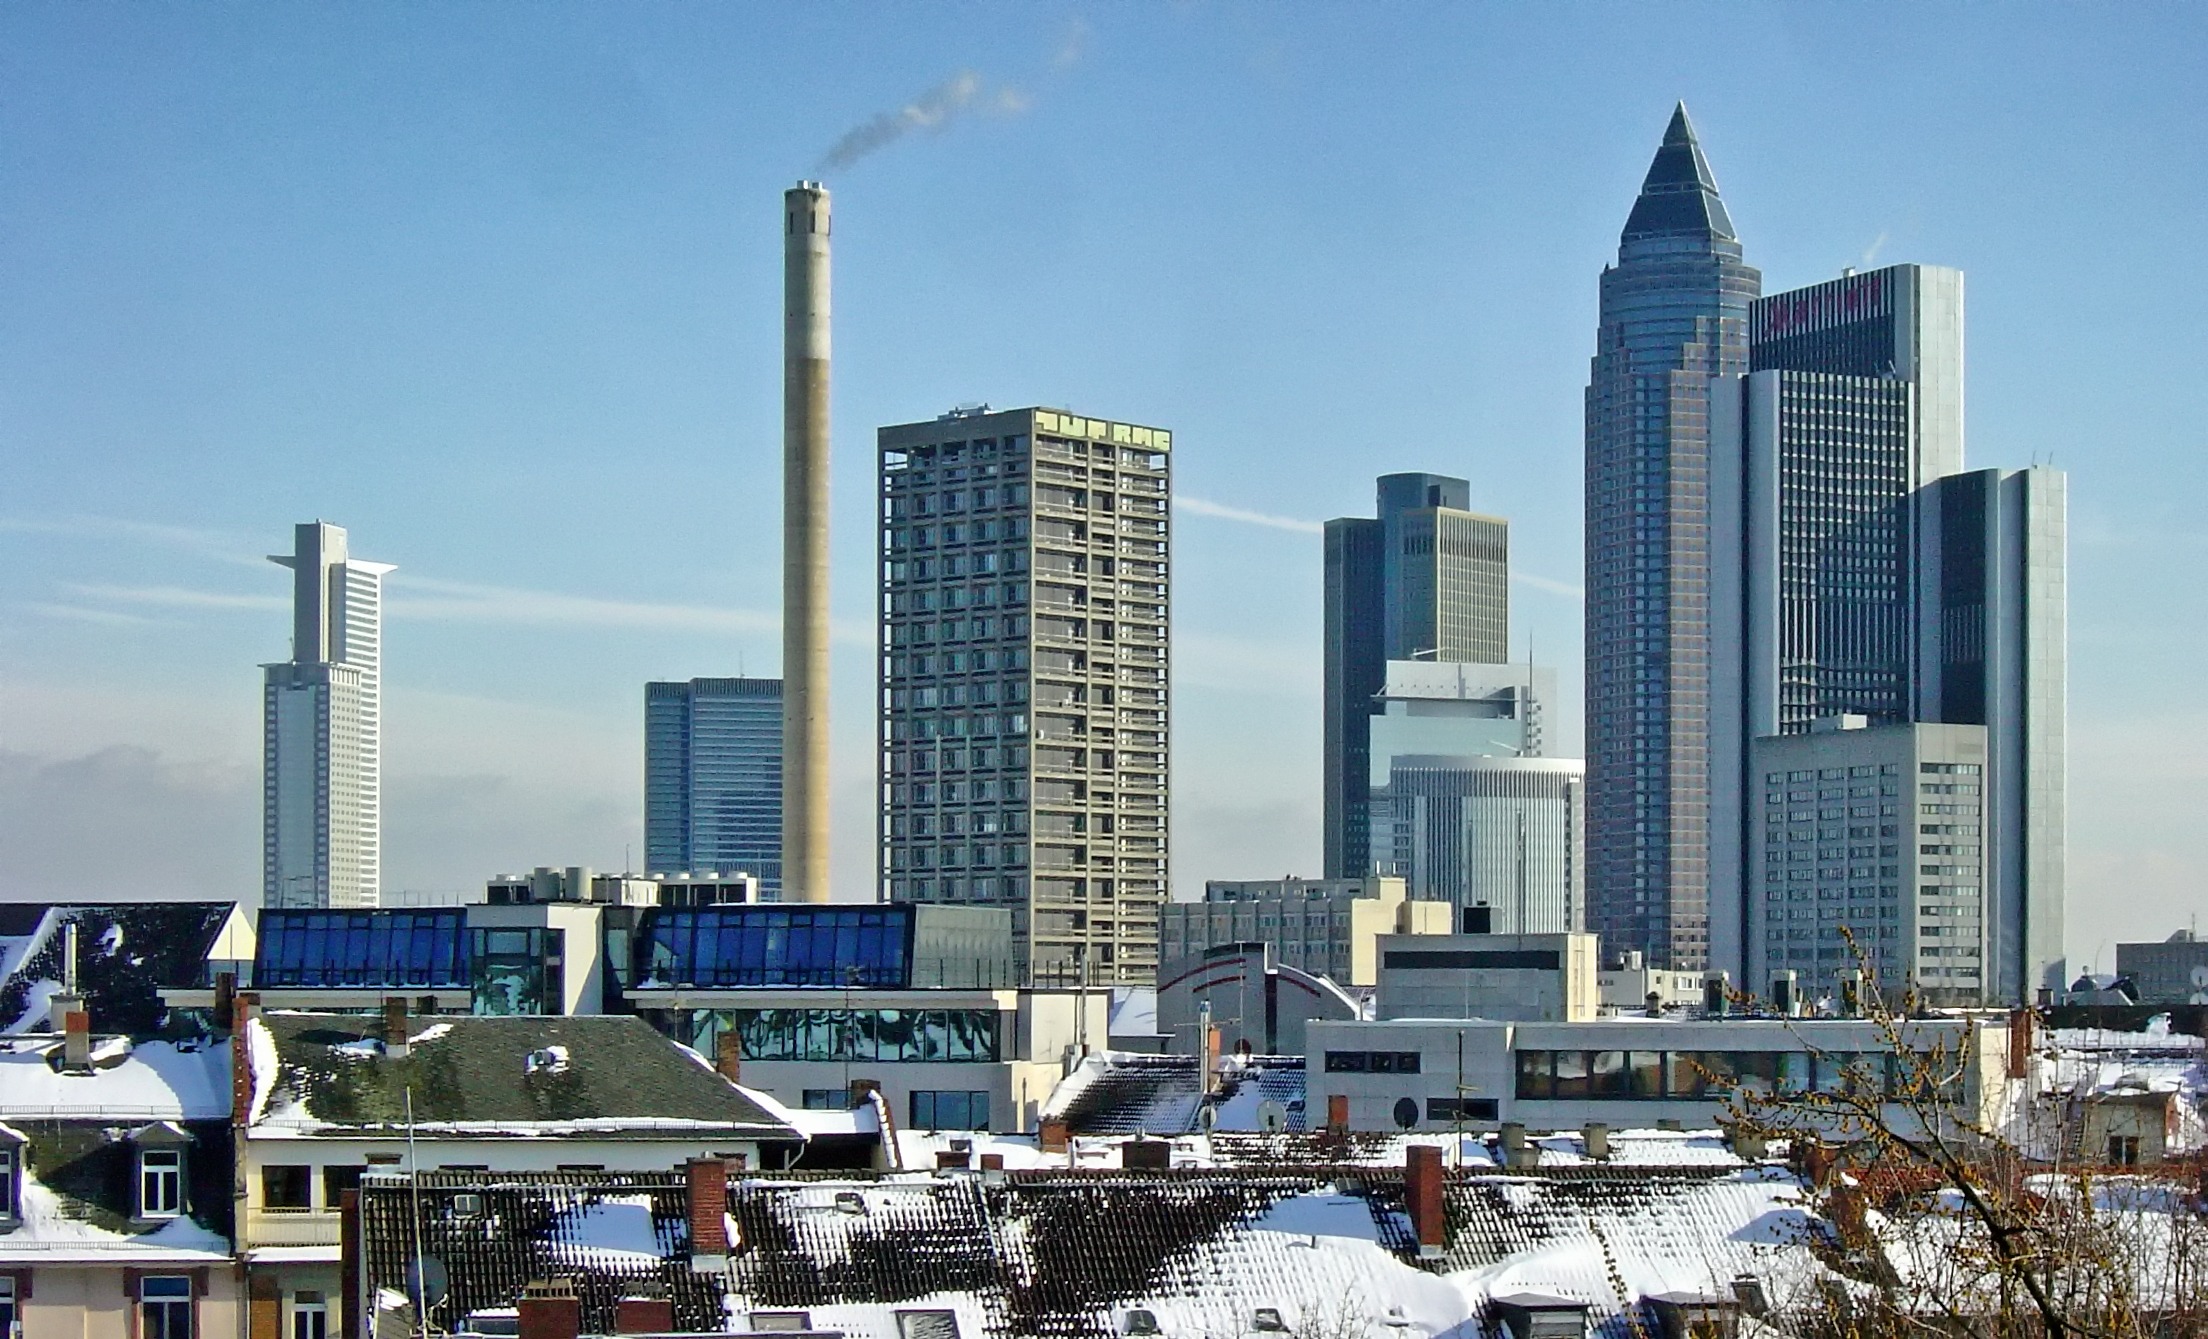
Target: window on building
[335,1182]
[7,1189]
[2123,1150]
[942,1110]
[310,1316]
[165,1306]
[287,1188]
[8,1318]
[827,1099]
[1462,1108]
[160,1184]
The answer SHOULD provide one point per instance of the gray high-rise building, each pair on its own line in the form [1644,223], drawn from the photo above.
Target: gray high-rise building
[1674,315]
[713,778]
[1426,580]
[1024,715]
[1865,576]
[322,731]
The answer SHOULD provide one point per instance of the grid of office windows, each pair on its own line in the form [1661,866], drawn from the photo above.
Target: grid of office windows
[1022,729]
[376,949]
[713,778]
[1673,315]
[1831,841]
[950,1111]
[895,1035]
[1657,1076]
[856,946]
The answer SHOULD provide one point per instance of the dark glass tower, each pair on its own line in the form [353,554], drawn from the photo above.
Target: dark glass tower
[1427,580]
[713,778]
[1674,314]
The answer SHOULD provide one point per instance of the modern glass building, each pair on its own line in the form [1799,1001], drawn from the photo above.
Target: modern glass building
[1023,606]
[1674,315]
[713,778]
[1426,580]
[515,969]
[322,731]
[1503,833]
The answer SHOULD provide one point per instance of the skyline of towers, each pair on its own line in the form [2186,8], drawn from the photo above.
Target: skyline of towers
[1023,679]
[1673,315]
[1425,579]
[713,778]
[322,731]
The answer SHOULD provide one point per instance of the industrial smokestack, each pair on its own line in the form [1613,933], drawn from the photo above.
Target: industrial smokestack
[805,543]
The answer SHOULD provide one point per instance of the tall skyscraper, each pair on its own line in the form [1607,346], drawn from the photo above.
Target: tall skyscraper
[322,731]
[1023,679]
[1426,580]
[713,778]
[1674,315]
[1865,578]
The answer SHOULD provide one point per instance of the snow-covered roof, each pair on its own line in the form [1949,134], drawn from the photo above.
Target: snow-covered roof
[149,1081]
[1128,1092]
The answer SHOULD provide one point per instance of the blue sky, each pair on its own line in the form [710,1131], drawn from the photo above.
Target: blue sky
[495,287]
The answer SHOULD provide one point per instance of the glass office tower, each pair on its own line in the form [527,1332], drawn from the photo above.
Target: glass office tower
[322,731]
[1674,315]
[1023,703]
[1426,580]
[713,778]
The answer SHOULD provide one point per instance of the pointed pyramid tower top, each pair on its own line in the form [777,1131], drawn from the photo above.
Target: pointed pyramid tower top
[1679,196]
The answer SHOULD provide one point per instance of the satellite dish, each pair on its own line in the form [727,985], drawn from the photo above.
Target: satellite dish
[1406,1112]
[2200,977]
[1207,1117]
[426,1282]
[1272,1117]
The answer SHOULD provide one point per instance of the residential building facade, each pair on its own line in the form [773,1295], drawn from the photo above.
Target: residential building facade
[1674,315]
[713,777]
[1426,580]
[1024,676]
[322,731]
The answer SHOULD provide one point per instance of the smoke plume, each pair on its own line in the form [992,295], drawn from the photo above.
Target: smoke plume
[932,110]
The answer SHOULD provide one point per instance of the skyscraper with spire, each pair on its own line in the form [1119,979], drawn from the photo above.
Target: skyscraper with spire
[1674,315]
[322,796]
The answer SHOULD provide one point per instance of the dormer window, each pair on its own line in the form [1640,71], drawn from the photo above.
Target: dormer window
[10,1173]
[160,1182]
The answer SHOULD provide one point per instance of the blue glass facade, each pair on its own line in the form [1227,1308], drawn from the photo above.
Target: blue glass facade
[1674,314]
[373,949]
[857,946]
[713,777]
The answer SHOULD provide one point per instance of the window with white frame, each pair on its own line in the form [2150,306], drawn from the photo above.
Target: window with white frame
[160,1185]
[8,1196]
[310,1316]
[165,1306]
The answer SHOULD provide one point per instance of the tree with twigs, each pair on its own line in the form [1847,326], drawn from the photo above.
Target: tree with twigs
[1933,1219]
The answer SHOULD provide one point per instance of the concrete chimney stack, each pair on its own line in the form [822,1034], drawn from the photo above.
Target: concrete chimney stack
[805,543]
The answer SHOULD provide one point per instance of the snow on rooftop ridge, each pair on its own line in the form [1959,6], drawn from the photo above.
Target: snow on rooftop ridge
[153,1081]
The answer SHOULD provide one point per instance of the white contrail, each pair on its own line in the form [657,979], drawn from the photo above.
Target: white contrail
[1196,506]
[1550,584]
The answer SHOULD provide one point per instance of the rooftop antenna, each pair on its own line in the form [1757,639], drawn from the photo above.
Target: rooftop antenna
[69,958]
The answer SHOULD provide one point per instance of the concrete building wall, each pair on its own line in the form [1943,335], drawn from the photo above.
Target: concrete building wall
[1506,977]
[1327,927]
[94,1302]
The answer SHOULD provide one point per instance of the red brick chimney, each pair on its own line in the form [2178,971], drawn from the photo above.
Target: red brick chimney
[728,1056]
[1422,1193]
[643,1315]
[243,1006]
[551,1310]
[708,1187]
[76,1042]
[2020,1041]
[1054,1134]
[396,1033]
[1337,1113]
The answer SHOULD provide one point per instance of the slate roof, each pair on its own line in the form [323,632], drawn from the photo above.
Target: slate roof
[127,953]
[1132,1092]
[613,1077]
[79,1135]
